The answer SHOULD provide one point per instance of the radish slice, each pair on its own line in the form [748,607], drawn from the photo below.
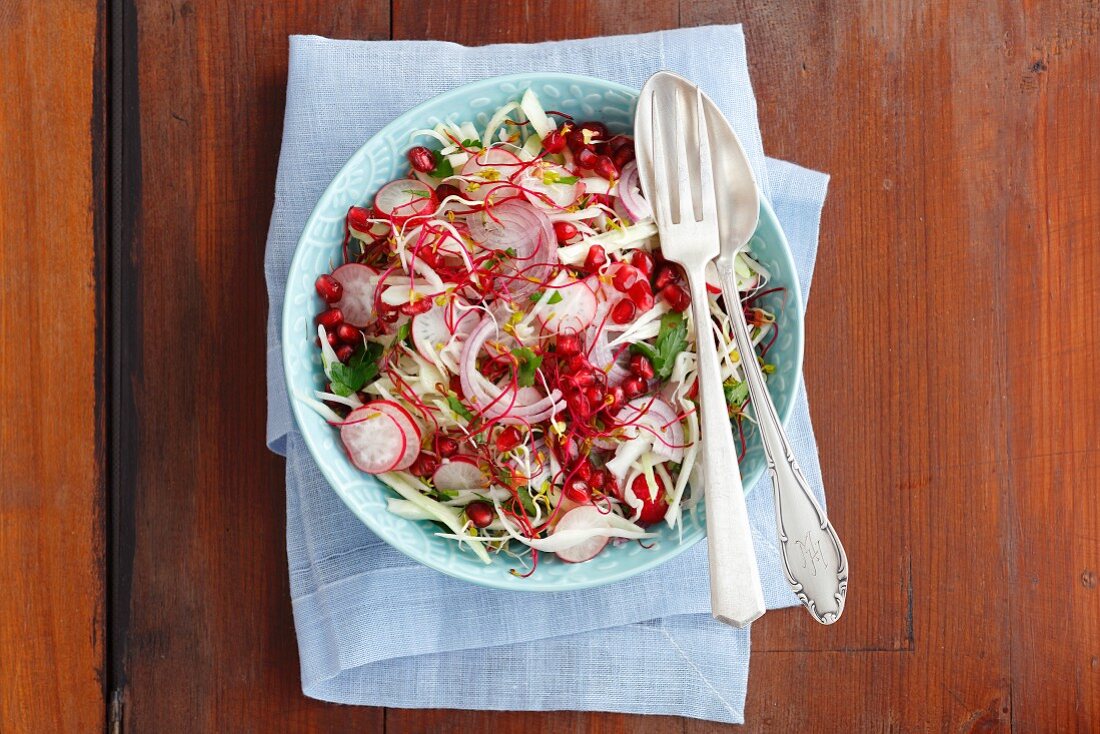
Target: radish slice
[489,172]
[433,331]
[576,310]
[585,517]
[399,201]
[373,439]
[459,472]
[357,303]
[408,425]
[543,186]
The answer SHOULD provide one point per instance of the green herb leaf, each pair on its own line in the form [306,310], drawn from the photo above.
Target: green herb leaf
[528,363]
[567,180]
[459,408]
[361,369]
[736,393]
[443,167]
[471,143]
[671,340]
[403,332]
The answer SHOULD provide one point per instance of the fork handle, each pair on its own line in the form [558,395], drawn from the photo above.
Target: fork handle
[813,558]
[736,597]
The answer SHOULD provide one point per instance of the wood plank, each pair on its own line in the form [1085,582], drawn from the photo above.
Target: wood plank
[1054,408]
[52,434]
[210,637]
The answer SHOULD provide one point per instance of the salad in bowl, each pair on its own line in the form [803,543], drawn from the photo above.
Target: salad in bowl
[503,346]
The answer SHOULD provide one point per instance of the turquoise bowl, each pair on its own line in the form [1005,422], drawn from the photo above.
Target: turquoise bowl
[381,160]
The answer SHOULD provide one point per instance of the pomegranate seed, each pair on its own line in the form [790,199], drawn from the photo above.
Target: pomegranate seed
[508,439]
[587,159]
[614,398]
[565,231]
[344,352]
[634,386]
[554,142]
[415,308]
[644,262]
[331,318]
[348,334]
[597,480]
[625,276]
[641,366]
[595,259]
[329,289]
[333,341]
[480,513]
[653,510]
[597,130]
[676,296]
[623,155]
[577,491]
[575,140]
[594,396]
[664,275]
[446,446]
[641,295]
[578,406]
[606,168]
[578,363]
[624,311]
[568,344]
[421,159]
[424,466]
[442,191]
[599,200]
[584,469]
[618,142]
[611,484]
[584,378]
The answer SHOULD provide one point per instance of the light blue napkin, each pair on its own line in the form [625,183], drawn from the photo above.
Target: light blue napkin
[374,627]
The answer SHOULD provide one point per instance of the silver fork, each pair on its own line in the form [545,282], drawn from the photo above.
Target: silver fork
[680,188]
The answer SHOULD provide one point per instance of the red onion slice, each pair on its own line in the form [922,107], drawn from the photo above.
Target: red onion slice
[494,401]
[630,194]
[528,232]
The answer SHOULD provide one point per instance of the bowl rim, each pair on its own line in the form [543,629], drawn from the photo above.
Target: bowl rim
[509,583]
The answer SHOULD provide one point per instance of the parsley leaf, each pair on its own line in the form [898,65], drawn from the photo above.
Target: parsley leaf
[361,368]
[528,363]
[471,143]
[459,408]
[736,393]
[671,340]
[443,167]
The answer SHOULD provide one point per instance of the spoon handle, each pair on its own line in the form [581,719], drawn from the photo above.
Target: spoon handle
[813,558]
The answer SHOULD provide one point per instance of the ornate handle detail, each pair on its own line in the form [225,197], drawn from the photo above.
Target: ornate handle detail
[813,558]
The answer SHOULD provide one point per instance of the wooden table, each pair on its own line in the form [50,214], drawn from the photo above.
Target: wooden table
[953,359]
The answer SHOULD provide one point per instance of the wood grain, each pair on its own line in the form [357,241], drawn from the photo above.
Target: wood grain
[208,644]
[958,255]
[52,439]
